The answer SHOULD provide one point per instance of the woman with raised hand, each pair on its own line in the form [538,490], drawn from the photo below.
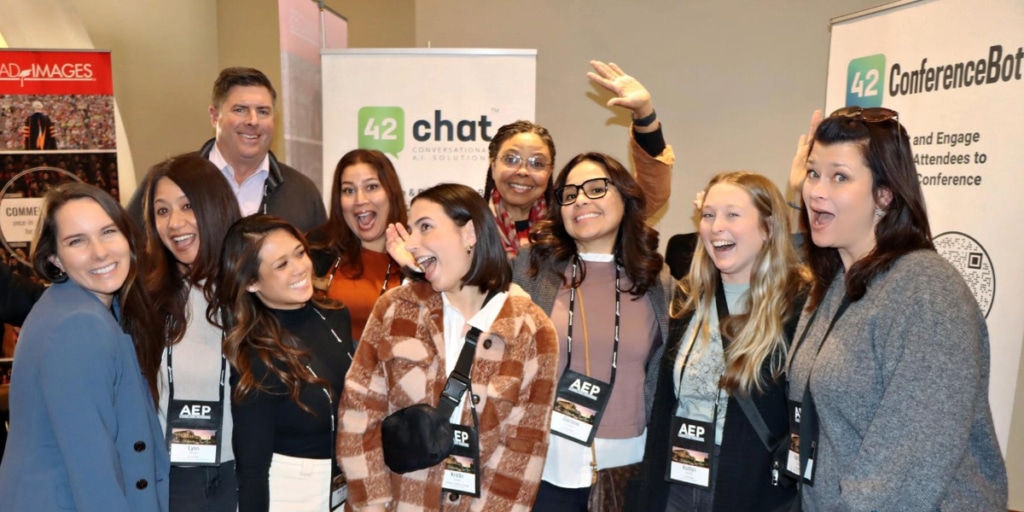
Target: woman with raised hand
[593,266]
[186,215]
[289,356]
[890,369]
[733,317]
[84,433]
[348,251]
[420,338]
[522,159]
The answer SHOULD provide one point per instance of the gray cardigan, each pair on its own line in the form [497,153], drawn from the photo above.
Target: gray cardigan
[901,389]
[544,288]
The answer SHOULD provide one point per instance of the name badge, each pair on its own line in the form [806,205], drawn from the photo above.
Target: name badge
[462,467]
[194,432]
[579,407]
[339,491]
[793,457]
[693,448]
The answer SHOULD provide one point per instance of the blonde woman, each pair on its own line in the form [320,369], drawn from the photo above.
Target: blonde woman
[732,320]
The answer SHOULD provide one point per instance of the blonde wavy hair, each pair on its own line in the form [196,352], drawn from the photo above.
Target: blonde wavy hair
[776,276]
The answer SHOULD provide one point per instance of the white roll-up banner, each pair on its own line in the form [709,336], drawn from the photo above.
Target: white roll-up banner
[952,69]
[432,111]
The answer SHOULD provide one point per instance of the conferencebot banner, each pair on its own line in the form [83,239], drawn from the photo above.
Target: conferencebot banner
[953,71]
[432,111]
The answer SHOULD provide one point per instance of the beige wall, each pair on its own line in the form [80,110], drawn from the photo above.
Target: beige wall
[164,58]
[378,24]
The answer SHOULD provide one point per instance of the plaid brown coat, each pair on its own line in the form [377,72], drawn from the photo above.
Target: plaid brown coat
[400,362]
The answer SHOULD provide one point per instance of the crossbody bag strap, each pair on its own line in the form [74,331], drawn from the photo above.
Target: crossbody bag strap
[459,381]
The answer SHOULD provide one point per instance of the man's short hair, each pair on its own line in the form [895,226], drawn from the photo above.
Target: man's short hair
[231,77]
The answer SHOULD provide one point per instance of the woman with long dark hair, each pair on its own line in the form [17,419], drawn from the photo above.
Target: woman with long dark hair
[289,356]
[84,434]
[891,365]
[416,339]
[593,266]
[186,215]
[348,251]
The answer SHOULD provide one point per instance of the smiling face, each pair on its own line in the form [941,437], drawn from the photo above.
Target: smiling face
[439,245]
[731,230]
[364,204]
[245,124]
[175,221]
[840,200]
[91,249]
[520,185]
[285,272]
[592,223]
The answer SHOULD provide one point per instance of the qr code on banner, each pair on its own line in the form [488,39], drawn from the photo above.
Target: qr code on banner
[974,264]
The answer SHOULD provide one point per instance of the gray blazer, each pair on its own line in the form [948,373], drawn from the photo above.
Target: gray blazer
[544,288]
[84,431]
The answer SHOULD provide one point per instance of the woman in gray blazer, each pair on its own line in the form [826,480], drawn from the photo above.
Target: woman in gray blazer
[84,433]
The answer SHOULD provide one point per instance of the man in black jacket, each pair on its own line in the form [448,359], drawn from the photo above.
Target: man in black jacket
[243,115]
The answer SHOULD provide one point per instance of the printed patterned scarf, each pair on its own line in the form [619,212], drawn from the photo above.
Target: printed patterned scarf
[507,227]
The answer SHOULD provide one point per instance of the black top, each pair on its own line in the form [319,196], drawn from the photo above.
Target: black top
[269,421]
[744,471]
[17,296]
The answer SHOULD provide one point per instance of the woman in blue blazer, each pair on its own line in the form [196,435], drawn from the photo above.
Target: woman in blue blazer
[84,433]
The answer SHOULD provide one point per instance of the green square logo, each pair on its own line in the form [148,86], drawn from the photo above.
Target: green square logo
[383,129]
[865,81]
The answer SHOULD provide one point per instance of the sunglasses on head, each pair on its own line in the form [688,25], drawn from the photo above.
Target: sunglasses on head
[871,115]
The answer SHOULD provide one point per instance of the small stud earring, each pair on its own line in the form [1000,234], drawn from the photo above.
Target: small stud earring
[469,249]
[879,212]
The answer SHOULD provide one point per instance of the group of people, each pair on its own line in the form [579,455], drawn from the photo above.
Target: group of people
[439,356]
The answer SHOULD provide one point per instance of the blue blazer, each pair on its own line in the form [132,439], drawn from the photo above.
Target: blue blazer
[84,433]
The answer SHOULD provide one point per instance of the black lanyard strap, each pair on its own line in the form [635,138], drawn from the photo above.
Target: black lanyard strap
[170,375]
[803,337]
[572,306]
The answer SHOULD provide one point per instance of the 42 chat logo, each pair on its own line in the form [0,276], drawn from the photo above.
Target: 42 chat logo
[865,81]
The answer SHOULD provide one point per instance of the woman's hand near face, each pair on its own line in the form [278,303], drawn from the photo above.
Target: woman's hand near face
[629,92]
[396,235]
[798,171]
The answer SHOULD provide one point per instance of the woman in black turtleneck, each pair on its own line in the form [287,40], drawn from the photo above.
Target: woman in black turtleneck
[289,356]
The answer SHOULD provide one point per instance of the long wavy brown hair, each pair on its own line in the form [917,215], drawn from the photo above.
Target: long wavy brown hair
[335,236]
[636,244]
[216,209]
[903,229]
[251,330]
[138,318]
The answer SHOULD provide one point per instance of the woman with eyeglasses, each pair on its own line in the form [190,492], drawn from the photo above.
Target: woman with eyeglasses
[348,250]
[415,340]
[890,367]
[522,158]
[733,317]
[593,266]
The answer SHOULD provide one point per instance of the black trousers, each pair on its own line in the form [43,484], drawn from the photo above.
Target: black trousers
[204,488]
[551,498]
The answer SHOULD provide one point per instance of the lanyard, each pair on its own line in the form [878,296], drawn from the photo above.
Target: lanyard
[327,394]
[334,268]
[839,313]
[170,375]
[722,308]
[572,306]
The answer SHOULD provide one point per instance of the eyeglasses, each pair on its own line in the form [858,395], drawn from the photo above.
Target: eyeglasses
[534,163]
[595,188]
[872,115]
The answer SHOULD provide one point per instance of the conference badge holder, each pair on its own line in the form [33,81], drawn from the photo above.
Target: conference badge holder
[339,490]
[579,407]
[462,467]
[692,452]
[800,440]
[194,432]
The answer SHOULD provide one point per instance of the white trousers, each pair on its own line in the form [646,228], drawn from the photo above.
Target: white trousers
[299,485]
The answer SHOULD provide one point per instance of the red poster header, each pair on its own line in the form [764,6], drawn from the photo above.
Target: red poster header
[55,72]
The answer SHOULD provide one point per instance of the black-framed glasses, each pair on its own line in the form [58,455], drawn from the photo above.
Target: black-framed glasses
[594,188]
[872,115]
[534,163]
